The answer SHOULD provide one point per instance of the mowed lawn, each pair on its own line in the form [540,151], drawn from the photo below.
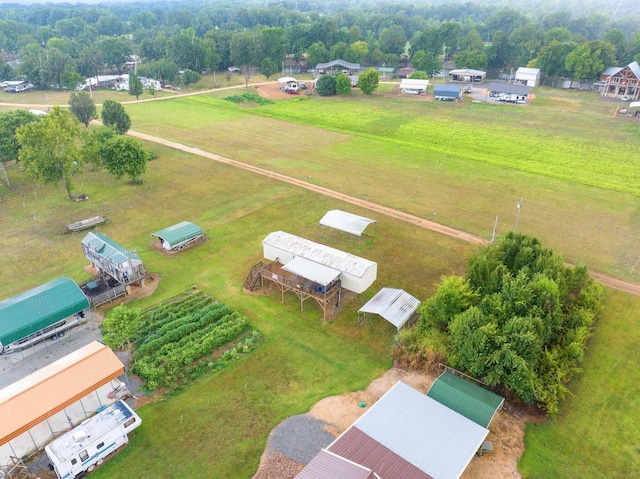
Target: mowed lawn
[218,427]
[436,161]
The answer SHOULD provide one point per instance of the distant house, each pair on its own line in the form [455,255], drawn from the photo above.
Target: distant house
[620,81]
[508,92]
[447,92]
[414,87]
[467,75]
[386,72]
[405,72]
[528,76]
[337,66]
[17,86]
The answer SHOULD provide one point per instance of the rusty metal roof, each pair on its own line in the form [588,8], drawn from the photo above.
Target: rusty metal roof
[31,400]
[329,465]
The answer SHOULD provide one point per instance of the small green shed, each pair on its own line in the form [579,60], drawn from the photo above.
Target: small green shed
[466,398]
[180,236]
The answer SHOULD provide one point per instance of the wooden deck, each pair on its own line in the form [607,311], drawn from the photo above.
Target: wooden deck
[86,224]
[302,287]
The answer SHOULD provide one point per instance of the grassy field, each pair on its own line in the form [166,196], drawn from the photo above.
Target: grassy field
[434,159]
[220,424]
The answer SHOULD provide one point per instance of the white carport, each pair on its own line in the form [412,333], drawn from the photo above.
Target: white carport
[316,272]
[634,109]
[346,222]
[395,305]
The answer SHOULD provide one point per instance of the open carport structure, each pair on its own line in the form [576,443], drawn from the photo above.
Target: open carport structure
[346,222]
[395,305]
[40,313]
[37,408]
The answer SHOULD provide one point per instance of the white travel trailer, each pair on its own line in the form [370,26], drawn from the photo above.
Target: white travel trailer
[80,450]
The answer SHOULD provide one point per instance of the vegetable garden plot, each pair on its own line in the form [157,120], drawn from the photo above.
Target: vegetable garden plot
[172,339]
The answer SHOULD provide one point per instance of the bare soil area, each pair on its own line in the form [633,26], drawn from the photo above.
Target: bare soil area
[339,412]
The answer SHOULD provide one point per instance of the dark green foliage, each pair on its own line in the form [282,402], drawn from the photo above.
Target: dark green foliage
[326,85]
[83,107]
[135,85]
[10,121]
[189,77]
[251,97]
[268,67]
[113,113]
[419,75]
[124,155]
[368,81]
[343,84]
[519,322]
[170,340]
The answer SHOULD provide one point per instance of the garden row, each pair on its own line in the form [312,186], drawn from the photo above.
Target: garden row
[173,341]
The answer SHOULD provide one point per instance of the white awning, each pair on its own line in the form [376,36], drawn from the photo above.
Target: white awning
[287,80]
[347,222]
[395,305]
[634,104]
[316,272]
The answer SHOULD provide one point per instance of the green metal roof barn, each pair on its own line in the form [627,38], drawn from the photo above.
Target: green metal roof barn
[39,308]
[466,398]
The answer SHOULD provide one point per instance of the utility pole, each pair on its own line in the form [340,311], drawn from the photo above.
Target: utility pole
[519,210]
[493,234]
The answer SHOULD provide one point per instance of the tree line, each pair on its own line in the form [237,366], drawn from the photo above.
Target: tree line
[60,45]
[53,148]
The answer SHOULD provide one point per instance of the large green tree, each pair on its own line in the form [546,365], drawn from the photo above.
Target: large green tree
[51,149]
[519,321]
[83,107]
[425,61]
[343,84]
[326,85]
[113,113]
[368,81]
[124,155]
[10,121]
[189,77]
[135,85]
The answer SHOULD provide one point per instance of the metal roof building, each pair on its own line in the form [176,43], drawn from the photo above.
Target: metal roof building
[467,75]
[415,87]
[356,274]
[38,308]
[528,76]
[447,92]
[466,398]
[109,257]
[409,435]
[179,236]
[63,392]
[329,465]
[346,222]
[395,305]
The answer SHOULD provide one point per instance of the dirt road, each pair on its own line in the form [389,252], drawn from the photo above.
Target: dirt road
[393,213]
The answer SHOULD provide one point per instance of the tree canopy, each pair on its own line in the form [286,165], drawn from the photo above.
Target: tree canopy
[368,81]
[10,121]
[113,113]
[519,321]
[51,149]
[125,156]
[83,107]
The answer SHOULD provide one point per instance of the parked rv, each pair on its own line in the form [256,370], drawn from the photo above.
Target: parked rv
[80,450]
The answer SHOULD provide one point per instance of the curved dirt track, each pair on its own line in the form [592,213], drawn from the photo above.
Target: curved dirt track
[393,213]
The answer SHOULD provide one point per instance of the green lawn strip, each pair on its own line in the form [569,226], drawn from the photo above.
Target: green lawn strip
[596,434]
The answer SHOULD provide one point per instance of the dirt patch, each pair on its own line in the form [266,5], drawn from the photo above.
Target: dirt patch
[271,91]
[339,412]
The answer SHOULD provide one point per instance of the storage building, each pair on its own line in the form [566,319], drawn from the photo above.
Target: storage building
[180,236]
[356,274]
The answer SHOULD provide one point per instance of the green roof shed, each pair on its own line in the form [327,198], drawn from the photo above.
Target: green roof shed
[466,398]
[179,234]
[38,308]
